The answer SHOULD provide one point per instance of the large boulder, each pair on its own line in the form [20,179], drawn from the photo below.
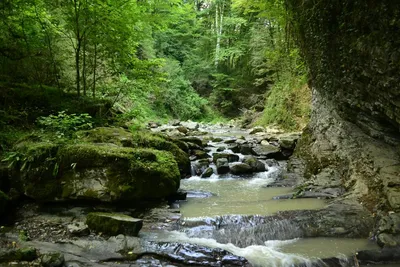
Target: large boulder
[255,164]
[269,151]
[222,166]
[113,223]
[110,173]
[121,137]
[102,172]
[241,168]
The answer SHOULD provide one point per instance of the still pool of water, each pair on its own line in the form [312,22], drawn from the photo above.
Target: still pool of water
[240,196]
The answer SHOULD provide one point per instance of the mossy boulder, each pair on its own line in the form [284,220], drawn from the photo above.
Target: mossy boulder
[3,202]
[255,164]
[110,173]
[241,168]
[145,139]
[113,135]
[54,259]
[17,254]
[160,142]
[113,223]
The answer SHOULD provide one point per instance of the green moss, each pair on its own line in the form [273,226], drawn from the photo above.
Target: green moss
[130,173]
[20,254]
[113,135]
[159,142]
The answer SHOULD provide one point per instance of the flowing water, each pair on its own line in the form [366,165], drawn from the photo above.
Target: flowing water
[217,211]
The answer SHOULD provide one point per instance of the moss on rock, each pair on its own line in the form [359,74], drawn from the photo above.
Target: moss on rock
[117,173]
[18,254]
[159,142]
[113,223]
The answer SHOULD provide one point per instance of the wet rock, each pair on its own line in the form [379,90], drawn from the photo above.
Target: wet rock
[217,139]
[182,129]
[388,233]
[200,166]
[113,223]
[230,141]
[228,156]
[17,254]
[55,259]
[234,148]
[78,229]
[255,164]
[246,150]
[207,173]
[200,154]
[189,254]
[191,139]
[388,255]
[221,148]
[288,142]
[269,151]
[190,125]
[265,143]
[241,168]
[256,130]
[222,165]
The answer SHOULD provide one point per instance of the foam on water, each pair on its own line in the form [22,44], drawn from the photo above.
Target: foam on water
[257,255]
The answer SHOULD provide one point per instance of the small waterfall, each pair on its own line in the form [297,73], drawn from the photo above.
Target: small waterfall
[257,235]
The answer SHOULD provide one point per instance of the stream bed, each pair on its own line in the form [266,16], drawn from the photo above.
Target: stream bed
[224,211]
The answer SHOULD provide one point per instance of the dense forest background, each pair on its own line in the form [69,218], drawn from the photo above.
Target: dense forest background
[154,60]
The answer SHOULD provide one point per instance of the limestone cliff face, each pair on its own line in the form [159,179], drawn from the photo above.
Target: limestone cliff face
[352,142]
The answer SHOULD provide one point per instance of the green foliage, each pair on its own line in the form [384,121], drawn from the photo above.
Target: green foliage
[288,104]
[64,124]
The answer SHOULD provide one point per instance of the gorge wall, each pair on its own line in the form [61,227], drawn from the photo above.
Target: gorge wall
[352,49]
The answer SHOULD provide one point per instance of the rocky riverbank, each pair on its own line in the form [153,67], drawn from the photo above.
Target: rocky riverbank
[112,185]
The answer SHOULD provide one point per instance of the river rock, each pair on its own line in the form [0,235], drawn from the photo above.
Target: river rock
[221,148]
[200,166]
[194,140]
[265,143]
[255,164]
[235,148]
[228,156]
[182,129]
[190,125]
[246,149]
[269,151]
[207,173]
[113,223]
[288,142]
[256,130]
[200,154]
[241,168]
[222,165]
[175,122]
[230,141]
[55,259]
[78,229]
